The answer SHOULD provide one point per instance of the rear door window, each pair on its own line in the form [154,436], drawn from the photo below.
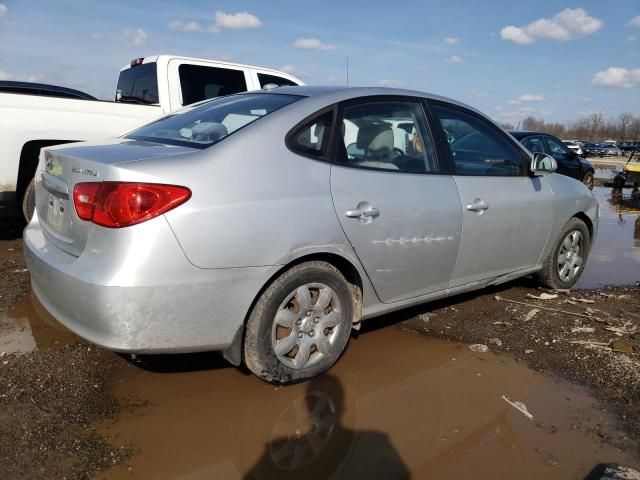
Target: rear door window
[266,79]
[199,82]
[386,135]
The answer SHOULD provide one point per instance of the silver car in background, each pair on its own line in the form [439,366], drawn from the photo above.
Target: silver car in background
[269,224]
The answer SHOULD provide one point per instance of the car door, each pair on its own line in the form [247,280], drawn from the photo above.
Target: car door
[568,163]
[506,214]
[401,216]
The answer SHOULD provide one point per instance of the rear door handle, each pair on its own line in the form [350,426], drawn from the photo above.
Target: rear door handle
[478,205]
[358,213]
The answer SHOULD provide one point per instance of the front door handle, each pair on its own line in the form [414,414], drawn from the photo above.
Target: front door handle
[478,205]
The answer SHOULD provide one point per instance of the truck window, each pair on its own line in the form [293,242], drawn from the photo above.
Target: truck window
[138,84]
[200,83]
[265,79]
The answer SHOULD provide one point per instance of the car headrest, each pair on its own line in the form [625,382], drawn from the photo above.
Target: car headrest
[375,137]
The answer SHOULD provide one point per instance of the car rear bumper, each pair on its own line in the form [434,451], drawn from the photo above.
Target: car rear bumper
[188,309]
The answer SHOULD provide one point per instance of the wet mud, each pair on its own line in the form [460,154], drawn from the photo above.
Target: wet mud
[615,258]
[396,405]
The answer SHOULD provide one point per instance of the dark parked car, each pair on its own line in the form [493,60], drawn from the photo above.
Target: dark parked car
[592,150]
[630,146]
[569,162]
[29,88]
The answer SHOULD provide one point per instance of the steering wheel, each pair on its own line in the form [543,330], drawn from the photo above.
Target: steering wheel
[450,138]
[396,154]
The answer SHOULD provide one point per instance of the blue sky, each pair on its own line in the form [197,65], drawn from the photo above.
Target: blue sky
[554,60]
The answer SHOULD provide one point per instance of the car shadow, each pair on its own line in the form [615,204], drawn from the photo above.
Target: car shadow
[411,312]
[178,362]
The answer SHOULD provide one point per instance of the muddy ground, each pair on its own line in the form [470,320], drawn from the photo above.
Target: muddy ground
[53,400]
[590,337]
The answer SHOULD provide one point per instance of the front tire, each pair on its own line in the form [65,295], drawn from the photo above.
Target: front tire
[588,180]
[565,264]
[300,325]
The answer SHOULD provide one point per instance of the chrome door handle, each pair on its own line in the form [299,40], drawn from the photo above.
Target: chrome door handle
[362,213]
[477,206]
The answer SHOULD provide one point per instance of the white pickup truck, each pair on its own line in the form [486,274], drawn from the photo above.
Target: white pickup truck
[147,88]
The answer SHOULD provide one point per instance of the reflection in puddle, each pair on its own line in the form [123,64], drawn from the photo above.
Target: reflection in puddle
[27,326]
[615,258]
[396,405]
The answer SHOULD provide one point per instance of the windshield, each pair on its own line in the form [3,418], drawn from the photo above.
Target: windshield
[138,84]
[207,123]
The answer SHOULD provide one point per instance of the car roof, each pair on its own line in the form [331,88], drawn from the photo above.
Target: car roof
[334,94]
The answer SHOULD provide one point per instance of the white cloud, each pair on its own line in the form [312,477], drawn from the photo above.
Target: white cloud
[185,26]
[631,38]
[21,78]
[391,82]
[569,24]
[451,40]
[520,112]
[3,9]
[235,21]
[531,97]
[454,59]
[617,77]
[136,37]
[477,94]
[313,44]
[293,70]
[635,21]
[96,35]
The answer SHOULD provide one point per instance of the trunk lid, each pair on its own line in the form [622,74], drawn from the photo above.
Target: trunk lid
[61,168]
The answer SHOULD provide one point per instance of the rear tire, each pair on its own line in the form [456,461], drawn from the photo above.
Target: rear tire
[565,263]
[300,325]
[29,200]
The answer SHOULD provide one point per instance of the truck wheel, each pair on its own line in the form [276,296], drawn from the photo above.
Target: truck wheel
[29,200]
[565,263]
[300,325]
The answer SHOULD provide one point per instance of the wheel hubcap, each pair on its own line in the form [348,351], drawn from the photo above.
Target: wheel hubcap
[569,258]
[306,325]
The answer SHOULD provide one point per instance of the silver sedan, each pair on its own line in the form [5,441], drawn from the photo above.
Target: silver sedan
[267,225]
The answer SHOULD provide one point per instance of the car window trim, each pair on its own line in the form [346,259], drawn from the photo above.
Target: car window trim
[525,160]
[385,98]
[327,152]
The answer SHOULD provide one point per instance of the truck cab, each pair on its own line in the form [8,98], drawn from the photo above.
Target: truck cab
[174,82]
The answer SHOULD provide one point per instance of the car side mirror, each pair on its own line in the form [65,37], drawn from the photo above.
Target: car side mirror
[543,164]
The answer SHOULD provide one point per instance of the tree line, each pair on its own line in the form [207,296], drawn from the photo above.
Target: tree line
[593,128]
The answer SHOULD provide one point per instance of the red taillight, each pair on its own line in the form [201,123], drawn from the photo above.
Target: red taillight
[120,204]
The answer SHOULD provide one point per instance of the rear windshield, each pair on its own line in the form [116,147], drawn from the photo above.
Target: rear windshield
[207,123]
[138,84]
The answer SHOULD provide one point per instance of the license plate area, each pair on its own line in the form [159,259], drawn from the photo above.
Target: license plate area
[57,214]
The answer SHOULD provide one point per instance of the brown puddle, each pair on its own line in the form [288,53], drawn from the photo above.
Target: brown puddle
[27,326]
[615,258]
[396,405]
